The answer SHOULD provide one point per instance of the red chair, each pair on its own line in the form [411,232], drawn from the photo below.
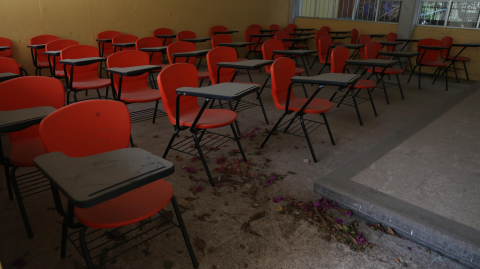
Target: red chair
[255,27]
[183,117]
[268,47]
[133,89]
[391,37]
[21,93]
[182,46]
[290,30]
[152,42]
[364,39]
[8,53]
[447,42]
[257,48]
[319,34]
[9,65]
[274,27]
[189,35]
[56,68]
[222,38]
[119,39]
[340,56]
[324,43]
[85,77]
[113,125]
[429,57]
[226,54]
[283,69]
[217,28]
[105,48]
[164,31]
[291,26]
[354,38]
[40,60]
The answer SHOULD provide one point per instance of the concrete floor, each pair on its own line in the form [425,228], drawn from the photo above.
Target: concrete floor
[283,243]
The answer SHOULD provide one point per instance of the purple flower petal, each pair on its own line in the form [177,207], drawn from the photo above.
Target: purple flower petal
[333,204]
[348,213]
[409,248]
[272,177]
[275,200]
[281,198]
[190,169]
[304,208]
[340,221]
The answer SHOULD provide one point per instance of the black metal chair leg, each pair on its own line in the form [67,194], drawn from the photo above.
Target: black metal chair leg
[446,79]
[238,143]
[131,142]
[400,87]
[263,109]
[411,74]
[99,95]
[9,185]
[371,101]
[249,76]
[385,90]
[170,143]
[24,71]
[84,247]
[265,84]
[305,90]
[21,206]
[343,98]
[63,243]
[465,68]
[155,112]
[202,157]
[356,108]
[198,66]
[419,75]
[455,70]
[314,60]
[232,109]
[200,84]
[273,130]
[328,128]
[308,139]
[178,213]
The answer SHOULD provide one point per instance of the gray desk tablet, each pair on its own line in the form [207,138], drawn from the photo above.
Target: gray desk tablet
[7,76]
[250,64]
[16,120]
[301,34]
[408,39]
[224,32]
[154,49]
[399,53]
[303,29]
[348,46]
[193,40]
[2,48]
[223,91]
[433,48]
[53,52]
[372,62]
[196,53]
[83,61]
[298,39]
[106,40]
[295,52]
[339,32]
[124,45]
[39,46]
[467,45]
[340,37]
[262,35]
[377,35]
[388,43]
[166,36]
[91,180]
[133,70]
[335,79]
[267,31]
[236,44]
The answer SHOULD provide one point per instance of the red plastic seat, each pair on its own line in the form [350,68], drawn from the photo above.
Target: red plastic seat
[152,42]
[56,46]
[135,88]
[447,42]
[164,31]
[324,49]
[217,28]
[107,47]
[354,38]
[9,65]
[124,38]
[41,59]
[182,46]
[6,43]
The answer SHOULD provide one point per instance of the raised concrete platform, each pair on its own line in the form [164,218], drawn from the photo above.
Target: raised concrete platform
[422,180]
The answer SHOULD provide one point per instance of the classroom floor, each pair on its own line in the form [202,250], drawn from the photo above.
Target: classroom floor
[282,241]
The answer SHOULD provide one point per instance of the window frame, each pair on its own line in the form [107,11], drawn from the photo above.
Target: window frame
[450,3]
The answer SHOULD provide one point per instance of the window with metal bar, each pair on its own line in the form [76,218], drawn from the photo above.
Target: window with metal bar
[453,13]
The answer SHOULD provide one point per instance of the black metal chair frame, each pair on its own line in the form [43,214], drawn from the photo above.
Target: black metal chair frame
[419,64]
[69,82]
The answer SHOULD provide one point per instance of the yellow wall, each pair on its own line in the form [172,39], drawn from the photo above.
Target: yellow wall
[459,36]
[81,20]
[345,25]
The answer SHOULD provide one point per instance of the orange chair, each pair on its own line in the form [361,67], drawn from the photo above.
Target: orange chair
[257,48]
[255,27]
[124,38]
[182,46]
[340,56]
[133,89]
[364,39]
[127,209]
[189,35]
[8,53]
[274,27]
[429,57]
[182,111]
[40,60]
[9,65]
[105,48]
[164,31]
[222,38]
[82,78]
[56,68]
[226,54]
[152,42]
[267,49]
[354,38]
[447,42]
[280,35]
[290,30]
[318,34]
[391,37]
[324,49]
[21,93]
[283,69]
[217,28]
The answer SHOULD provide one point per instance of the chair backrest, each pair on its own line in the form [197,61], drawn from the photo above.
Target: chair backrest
[87,128]
[364,39]
[430,55]
[151,42]
[40,40]
[267,50]
[371,50]
[7,43]
[180,46]
[274,27]
[220,38]
[291,26]
[59,45]
[169,80]
[255,27]
[124,38]
[9,65]
[326,28]
[283,69]
[220,54]
[280,35]
[391,37]
[354,34]
[447,42]
[318,34]
[217,28]
[324,43]
[28,92]
[107,47]
[248,33]
[339,56]
[164,31]
[186,35]
[128,59]
[82,73]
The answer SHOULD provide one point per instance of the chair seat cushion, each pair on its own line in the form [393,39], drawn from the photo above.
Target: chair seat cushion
[211,118]
[437,64]
[203,75]
[42,63]
[460,59]
[389,71]
[141,96]
[91,84]
[317,106]
[128,208]
[365,84]
[299,70]
[26,149]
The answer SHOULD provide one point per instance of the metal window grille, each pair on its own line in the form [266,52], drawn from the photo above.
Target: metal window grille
[453,13]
